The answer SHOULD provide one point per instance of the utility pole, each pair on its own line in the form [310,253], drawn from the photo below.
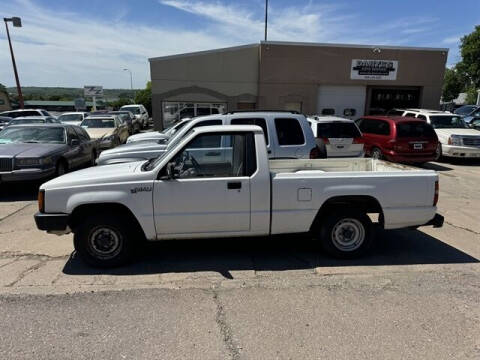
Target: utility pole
[266,18]
[17,22]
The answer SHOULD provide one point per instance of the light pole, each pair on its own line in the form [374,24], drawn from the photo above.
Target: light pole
[131,83]
[17,22]
[266,18]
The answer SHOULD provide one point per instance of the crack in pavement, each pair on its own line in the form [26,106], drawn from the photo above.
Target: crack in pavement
[25,272]
[225,329]
[31,256]
[15,212]
[463,228]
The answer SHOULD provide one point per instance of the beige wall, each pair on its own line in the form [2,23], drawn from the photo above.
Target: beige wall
[288,71]
[228,75]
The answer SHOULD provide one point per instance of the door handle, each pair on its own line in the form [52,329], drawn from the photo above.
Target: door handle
[213,153]
[234,185]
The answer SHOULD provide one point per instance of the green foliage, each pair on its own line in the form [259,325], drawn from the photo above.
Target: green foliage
[470,50]
[453,84]
[120,102]
[144,97]
[471,95]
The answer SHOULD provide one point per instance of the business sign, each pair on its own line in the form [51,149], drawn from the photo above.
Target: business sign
[93,90]
[374,69]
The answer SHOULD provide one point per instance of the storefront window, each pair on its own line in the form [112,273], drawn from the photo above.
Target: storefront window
[176,111]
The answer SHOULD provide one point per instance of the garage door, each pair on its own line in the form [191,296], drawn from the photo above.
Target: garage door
[336,100]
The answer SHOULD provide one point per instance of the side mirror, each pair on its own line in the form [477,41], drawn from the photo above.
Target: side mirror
[75,142]
[171,171]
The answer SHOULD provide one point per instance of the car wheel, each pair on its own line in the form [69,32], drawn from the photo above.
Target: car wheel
[104,241]
[61,168]
[347,234]
[93,158]
[376,153]
[438,152]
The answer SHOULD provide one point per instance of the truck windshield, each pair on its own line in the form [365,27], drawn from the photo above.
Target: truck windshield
[447,122]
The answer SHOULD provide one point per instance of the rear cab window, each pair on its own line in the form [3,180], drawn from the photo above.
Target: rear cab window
[289,132]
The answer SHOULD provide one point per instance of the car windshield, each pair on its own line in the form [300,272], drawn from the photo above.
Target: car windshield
[27,121]
[132,109]
[337,130]
[465,110]
[49,135]
[97,123]
[447,122]
[414,129]
[70,117]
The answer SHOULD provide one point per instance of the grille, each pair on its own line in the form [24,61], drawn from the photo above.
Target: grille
[5,164]
[471,141]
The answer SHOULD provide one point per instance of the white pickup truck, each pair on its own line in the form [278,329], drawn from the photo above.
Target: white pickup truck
[242,193]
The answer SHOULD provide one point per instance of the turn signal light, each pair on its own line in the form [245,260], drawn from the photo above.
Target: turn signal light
[437,190]
[41,201]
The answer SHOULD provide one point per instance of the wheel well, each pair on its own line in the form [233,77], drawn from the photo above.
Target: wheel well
[82,211]
[364,203]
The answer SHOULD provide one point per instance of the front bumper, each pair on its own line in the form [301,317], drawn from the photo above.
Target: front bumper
[52,222]
[437,221]
[26,174]
[460,151]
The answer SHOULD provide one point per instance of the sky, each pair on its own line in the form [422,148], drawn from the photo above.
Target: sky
[73,43]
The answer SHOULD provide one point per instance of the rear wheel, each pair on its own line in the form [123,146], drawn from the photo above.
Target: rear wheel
[104,241]
[61,168]
[346,234]
[438,152]
[376,153]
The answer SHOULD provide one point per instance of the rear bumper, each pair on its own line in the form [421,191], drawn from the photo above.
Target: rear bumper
[52,222]
[460,151]
[437,221]
[407,158]
[26,174]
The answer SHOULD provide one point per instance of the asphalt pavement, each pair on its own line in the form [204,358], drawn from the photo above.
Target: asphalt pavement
[417,296]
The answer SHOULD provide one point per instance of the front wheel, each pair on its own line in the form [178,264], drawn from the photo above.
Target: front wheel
[104,241]
[346,234]
[376,153]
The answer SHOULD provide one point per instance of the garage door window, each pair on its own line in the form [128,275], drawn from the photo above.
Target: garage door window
[289,132]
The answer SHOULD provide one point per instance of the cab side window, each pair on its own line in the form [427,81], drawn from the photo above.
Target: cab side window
[198,160]
[253,121]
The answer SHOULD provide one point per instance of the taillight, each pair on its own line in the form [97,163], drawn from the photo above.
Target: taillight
[450,140]
[41,201]
[358,140]
[325,140]
[315,153]
[435,197]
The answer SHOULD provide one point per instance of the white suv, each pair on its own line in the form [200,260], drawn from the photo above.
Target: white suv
[455,138]
[141,114]
[336,136]
[287,135]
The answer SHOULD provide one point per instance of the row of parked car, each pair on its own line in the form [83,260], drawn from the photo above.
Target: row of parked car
[404,135]
[36,145]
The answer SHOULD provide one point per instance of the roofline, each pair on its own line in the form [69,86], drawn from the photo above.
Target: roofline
[195,53]
[288,43]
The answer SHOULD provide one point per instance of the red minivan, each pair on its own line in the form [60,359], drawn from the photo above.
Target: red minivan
[398,139]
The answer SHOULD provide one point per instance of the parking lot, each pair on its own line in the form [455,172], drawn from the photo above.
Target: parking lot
[424,283]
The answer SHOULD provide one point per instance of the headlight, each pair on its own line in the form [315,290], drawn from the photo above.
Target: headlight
[455,140]
[108,138]
[28,161]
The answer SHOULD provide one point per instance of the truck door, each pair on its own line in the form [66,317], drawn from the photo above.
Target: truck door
[209,195]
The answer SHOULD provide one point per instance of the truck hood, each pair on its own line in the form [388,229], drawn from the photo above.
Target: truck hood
[444,134]
[133,147]
[155,135]
[96,175]
[30,150]
[97,133]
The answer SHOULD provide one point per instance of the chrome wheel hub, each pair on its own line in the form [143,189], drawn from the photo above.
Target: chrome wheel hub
[104,243]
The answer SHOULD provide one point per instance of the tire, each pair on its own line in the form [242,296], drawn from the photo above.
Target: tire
[438,152]
[346,234]
[376,153]
[61,168]
[105,240]
[93,158]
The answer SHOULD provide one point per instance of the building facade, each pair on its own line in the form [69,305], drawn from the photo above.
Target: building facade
[344,80]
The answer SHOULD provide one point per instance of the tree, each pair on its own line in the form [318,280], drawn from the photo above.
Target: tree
[144,97]
[470,50]
[453,84]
